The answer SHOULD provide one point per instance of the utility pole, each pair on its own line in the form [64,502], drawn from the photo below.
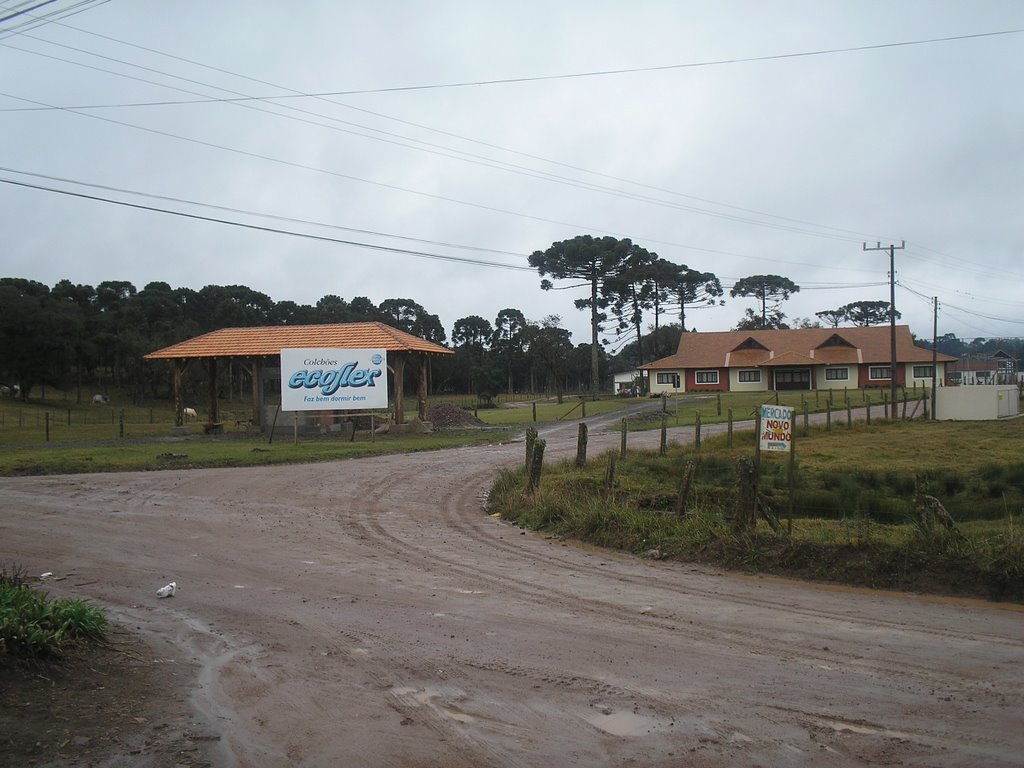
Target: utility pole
[935,351]
[891,248]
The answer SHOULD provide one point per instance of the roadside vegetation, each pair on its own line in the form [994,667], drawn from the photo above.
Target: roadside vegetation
[34,626]
[920,506]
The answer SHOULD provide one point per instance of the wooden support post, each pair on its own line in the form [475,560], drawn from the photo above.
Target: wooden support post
[179,405]
[609,474]
[663,445]
[828,416]
[398,368]
[867,408]
[211,368]
[685,487]
[696,431]
[421,392]
[581,445]
[531,440]
[807,422]
[719,406]
[536,463]
[622,447]
[849,414]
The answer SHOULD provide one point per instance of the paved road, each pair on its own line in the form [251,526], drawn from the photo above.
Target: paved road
[367,613]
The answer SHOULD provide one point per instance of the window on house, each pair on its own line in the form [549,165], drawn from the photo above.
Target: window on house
[750,376]
[837,374]
[880,372]
[666,378]
[707,377]
[923,371]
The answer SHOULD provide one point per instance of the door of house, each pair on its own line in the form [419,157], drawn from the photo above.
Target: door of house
[792,378]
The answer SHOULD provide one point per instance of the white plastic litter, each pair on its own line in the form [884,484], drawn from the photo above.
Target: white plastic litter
[46,575]
[168,591]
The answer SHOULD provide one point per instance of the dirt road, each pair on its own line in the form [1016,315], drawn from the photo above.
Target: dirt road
[367,613]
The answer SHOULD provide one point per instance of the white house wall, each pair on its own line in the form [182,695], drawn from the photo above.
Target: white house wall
[735,385]
[667,389]
[821,380]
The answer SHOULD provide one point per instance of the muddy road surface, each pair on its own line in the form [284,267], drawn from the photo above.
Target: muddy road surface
[368,613]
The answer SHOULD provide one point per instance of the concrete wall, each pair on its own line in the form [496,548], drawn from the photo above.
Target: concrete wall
[977,403]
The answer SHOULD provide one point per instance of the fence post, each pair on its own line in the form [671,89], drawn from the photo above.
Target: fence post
[534,411]
[120,422]
[663,445]
[807,426]
[536,462]
[685,488]
[828,416]
[531,439]
[622,448]
[868,408]
[581,445]
[849,414]
[609,474]
[719,411]
[696,431]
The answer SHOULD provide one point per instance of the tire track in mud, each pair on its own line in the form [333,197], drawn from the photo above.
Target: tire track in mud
[461,513]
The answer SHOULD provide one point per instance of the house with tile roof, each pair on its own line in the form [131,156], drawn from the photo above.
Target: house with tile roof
[793,359]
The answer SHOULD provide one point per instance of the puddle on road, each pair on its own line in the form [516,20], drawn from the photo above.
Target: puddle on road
[625,723]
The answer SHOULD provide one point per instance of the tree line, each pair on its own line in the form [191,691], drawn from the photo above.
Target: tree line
[75,336]
[87,340]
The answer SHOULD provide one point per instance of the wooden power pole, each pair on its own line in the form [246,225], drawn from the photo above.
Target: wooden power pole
[891,248]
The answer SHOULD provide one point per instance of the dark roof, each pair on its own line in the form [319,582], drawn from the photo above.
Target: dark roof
[266,341]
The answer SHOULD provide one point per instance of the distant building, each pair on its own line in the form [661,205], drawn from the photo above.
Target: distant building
[985,368]
[804,358]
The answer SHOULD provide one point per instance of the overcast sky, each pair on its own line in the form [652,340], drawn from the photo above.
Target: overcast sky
[783,165]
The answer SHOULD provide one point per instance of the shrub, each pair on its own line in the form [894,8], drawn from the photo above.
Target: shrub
[32,625]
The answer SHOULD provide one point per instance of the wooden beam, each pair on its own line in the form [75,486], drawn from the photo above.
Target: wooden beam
[422,398]
[212,370]
[398,366]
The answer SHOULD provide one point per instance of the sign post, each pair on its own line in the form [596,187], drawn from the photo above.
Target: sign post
[775,433]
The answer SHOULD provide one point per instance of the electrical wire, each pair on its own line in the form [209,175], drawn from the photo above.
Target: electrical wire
[274,230]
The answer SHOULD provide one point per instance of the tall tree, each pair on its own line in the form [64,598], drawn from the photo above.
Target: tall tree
[692,289]
[866,313]
[834,317]
[550,348]
[508,341]
[631,291]
[770,290]
[593,260]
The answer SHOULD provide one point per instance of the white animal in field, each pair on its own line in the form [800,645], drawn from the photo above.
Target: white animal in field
[100,400]
[189,413]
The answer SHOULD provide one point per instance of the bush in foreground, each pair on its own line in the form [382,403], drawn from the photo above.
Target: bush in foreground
[33,625]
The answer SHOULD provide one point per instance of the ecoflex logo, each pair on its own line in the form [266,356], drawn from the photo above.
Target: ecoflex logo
[334,379]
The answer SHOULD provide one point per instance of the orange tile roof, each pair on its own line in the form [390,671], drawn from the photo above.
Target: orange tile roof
[870,345]
[270,340]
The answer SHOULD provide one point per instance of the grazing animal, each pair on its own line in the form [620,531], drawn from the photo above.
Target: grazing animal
[100,400]
[189,413]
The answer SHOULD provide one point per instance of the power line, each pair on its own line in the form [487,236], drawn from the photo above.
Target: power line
[274,230]
[275,217]
[295,92]
[608,72]
[443,151]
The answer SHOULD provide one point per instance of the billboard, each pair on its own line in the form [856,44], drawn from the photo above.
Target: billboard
[333,379]
[776,428]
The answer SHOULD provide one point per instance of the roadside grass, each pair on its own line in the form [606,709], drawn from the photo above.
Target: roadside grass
[854,516]
[222,451]
[35,626]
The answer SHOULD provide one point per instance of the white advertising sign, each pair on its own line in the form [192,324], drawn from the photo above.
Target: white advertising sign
[333,379]
[776,428]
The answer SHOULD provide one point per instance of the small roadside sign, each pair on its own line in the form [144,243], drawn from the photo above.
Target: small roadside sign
[776,428]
